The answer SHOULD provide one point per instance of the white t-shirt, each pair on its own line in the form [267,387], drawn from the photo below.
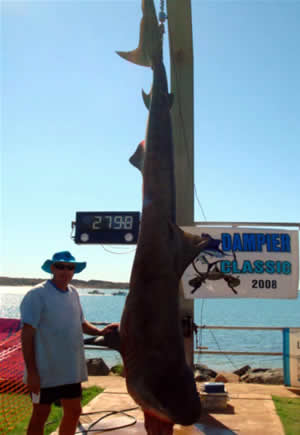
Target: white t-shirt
[59,349]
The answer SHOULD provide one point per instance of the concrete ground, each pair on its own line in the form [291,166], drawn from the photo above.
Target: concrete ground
[250,411]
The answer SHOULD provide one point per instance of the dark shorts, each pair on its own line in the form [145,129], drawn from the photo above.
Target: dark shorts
[52,394]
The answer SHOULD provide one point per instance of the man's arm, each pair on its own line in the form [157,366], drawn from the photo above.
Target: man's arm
[90,329]
[28,349]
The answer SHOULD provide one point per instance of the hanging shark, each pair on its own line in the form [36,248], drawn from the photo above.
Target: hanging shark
[152,346]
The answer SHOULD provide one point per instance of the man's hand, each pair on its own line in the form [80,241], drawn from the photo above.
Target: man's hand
[111,336]
[90,329]
[108,336]
[33,382]
[110,328]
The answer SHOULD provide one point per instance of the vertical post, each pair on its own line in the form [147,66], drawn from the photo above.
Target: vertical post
[182,113]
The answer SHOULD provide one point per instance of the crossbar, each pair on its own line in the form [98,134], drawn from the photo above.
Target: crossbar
[249,224]
[229,352]
[263,328]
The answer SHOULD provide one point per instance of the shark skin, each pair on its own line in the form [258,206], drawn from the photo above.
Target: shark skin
[157,375]
[152,346]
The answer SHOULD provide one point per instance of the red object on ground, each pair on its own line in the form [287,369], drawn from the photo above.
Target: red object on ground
[15,403]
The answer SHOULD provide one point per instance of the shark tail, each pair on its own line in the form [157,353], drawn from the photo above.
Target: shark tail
[137,56]
[150,39]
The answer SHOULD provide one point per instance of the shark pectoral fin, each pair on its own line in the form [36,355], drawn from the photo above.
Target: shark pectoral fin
[192,246]
[95,341]
[138,158]
[187,247]
[111,340]
[147,99]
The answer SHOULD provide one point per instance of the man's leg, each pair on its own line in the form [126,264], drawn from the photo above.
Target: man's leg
[38,419]
[72,411]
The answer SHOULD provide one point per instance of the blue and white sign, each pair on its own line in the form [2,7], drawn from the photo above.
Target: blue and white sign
[244,263]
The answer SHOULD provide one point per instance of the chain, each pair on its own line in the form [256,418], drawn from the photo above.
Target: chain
[162,16]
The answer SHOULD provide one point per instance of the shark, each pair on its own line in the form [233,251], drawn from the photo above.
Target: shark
[157,375]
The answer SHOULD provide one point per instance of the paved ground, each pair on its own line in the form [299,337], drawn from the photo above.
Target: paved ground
[250,411]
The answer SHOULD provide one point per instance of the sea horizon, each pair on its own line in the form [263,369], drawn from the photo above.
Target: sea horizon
[280,313]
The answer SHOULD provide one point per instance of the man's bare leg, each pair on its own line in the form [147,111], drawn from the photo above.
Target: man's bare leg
[38,419]
[72,411]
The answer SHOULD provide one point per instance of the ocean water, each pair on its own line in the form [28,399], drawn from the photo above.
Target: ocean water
[223,312]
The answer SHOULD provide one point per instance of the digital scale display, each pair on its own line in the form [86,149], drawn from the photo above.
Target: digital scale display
[107,227]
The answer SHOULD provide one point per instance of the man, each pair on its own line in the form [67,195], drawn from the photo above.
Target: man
[52,344]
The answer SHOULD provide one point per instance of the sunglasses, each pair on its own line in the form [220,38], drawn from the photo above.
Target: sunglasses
[60,266]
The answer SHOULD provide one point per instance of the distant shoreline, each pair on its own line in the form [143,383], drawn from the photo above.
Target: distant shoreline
[96,284]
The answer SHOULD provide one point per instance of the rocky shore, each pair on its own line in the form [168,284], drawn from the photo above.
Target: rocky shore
[202,373]
[97,284]
[246,374]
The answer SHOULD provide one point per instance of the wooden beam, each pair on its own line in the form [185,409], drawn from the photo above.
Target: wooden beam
[182,114]
[182,86]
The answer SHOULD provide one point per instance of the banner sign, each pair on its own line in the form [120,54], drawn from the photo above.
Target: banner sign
[291,356]
[244,263]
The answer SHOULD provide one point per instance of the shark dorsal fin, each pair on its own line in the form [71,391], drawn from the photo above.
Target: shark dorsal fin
[147,99]
[138,158]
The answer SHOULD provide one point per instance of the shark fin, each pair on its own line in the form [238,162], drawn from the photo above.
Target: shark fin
[135,56]
[147,99]
[138,158]
[111,340]
[186,247]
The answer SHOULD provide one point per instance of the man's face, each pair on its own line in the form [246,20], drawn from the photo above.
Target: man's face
[63,272]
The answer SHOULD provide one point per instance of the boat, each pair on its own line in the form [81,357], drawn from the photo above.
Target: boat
[96,292]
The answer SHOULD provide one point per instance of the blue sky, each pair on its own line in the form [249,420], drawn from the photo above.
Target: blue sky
[72,115]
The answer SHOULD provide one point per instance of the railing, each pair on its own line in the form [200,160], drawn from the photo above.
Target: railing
[220,352]
[213,352]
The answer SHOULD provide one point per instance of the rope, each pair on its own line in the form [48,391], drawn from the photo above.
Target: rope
[118,253]
[109,413]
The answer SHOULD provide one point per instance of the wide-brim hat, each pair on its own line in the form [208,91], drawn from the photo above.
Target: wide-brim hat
[64,257]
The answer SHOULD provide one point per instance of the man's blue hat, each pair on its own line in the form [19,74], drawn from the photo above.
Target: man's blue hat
[63,257]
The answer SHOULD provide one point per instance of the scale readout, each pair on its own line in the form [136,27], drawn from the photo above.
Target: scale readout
[107,227]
